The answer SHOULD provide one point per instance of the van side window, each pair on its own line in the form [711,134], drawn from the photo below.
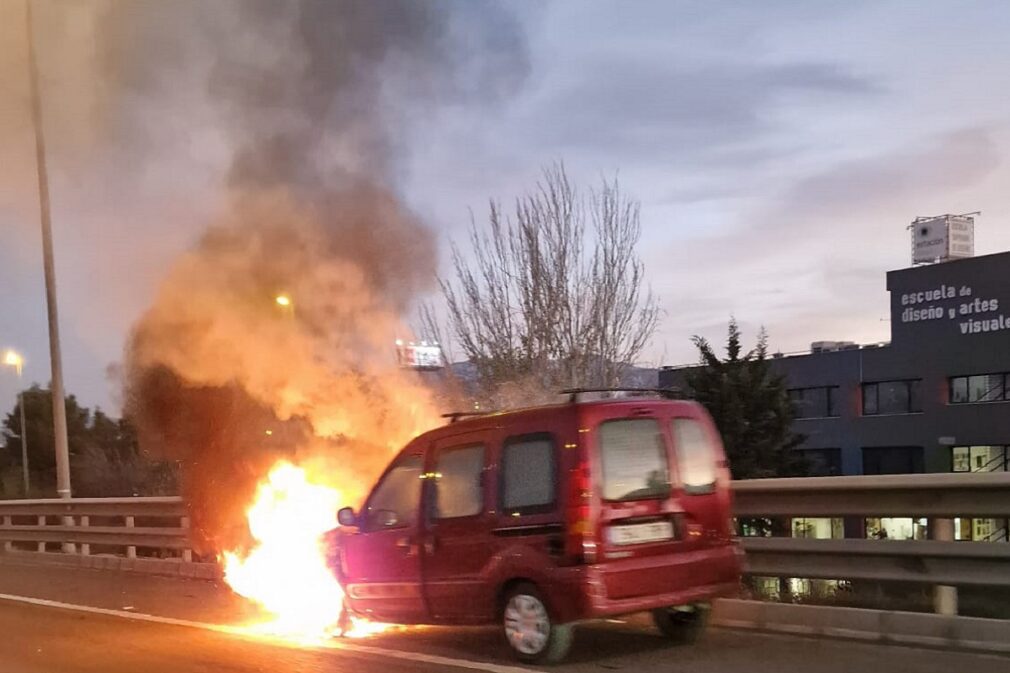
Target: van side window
[528,474]
[695,456]
[460,490]
[395,501]
[634,460]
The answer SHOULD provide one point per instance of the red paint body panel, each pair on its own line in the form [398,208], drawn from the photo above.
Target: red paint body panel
[569,547]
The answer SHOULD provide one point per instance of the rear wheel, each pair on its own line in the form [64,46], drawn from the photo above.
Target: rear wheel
[682,623]
[529,631]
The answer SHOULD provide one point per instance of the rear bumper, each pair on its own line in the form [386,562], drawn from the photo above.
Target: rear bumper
[581,591]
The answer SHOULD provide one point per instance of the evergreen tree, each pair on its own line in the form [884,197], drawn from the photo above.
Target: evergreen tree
[105,457]
[750,406]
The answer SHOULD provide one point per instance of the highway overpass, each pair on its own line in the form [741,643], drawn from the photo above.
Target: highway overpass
[75,611]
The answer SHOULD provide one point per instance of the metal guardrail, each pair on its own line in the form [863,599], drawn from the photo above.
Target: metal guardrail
[943,495]
[69,523]
[939,561]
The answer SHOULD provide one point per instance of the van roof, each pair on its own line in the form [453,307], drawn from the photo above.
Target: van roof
[482,420]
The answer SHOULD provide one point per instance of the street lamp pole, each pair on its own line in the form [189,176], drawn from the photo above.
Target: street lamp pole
[56,361]
[17,362]
[24,440]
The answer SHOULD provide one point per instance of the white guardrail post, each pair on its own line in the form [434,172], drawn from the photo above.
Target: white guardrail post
[944,596]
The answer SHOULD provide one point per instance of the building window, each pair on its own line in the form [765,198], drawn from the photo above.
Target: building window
[980,388]
[979,458]
[896,528]
[980,530]
[819,402]
[822,462]
[892,397]
[819,528]
[892,460]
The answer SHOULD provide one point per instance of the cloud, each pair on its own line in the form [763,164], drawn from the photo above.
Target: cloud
[684,111]
[810,263]
[951,162]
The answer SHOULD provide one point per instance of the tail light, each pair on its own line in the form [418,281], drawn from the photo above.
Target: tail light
[580,545]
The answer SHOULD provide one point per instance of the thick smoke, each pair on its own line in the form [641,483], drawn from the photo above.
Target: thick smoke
[308,97]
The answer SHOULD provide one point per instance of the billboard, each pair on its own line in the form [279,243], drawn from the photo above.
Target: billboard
[423,355]
[944,237]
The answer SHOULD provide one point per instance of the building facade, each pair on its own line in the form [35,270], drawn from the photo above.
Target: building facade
[936,398]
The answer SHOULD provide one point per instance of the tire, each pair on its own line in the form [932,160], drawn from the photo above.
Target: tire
[683,624]
[529,631]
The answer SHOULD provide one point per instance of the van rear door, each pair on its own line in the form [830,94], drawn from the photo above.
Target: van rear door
[640,517]
[704,494]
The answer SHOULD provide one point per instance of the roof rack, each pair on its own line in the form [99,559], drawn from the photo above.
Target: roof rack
[618,393]
[454,416]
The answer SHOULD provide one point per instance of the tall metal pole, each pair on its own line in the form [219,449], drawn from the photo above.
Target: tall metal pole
[59,408]
[24,442]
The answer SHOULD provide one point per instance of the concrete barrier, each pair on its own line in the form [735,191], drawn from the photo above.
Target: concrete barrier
[882,626]
[172,567]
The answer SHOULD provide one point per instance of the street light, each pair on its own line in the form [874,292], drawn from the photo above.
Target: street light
[49,271]
[286,304]
[14,359]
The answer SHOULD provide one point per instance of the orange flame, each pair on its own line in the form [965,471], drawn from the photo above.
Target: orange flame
[286,572]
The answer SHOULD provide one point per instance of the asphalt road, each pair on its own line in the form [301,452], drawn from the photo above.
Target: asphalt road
[47,639]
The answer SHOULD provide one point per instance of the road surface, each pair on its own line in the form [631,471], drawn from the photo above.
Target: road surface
[74,638]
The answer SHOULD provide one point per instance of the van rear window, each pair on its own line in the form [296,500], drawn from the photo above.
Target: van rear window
[634,460]
[695,456]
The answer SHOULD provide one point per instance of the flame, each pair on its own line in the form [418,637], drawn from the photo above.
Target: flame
[286,571]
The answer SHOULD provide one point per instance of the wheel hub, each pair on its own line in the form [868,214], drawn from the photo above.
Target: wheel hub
[527,625]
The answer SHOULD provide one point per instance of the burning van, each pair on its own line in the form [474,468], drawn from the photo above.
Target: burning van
[539,518]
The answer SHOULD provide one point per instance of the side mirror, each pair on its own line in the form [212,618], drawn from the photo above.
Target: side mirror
[346,517]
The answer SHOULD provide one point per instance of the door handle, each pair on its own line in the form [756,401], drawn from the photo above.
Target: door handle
[407,545]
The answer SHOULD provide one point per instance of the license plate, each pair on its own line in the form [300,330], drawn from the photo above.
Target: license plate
[640,533]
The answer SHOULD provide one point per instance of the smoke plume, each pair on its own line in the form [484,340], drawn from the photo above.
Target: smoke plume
[309,98]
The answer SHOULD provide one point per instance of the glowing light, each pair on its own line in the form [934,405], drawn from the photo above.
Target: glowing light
[286,572]
[14,360]
[283,300]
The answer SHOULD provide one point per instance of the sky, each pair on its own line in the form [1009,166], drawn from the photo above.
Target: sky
[779,150]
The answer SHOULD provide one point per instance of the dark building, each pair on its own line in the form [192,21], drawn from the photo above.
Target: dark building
[936,398]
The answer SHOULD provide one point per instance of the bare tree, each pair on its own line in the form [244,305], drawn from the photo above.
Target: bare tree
[552,296]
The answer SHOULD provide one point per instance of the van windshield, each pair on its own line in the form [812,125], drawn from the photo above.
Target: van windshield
[634,459]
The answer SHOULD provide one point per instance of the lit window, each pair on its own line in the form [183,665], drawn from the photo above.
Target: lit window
[979,458]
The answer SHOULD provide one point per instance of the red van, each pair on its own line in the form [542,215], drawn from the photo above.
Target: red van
[543,517]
